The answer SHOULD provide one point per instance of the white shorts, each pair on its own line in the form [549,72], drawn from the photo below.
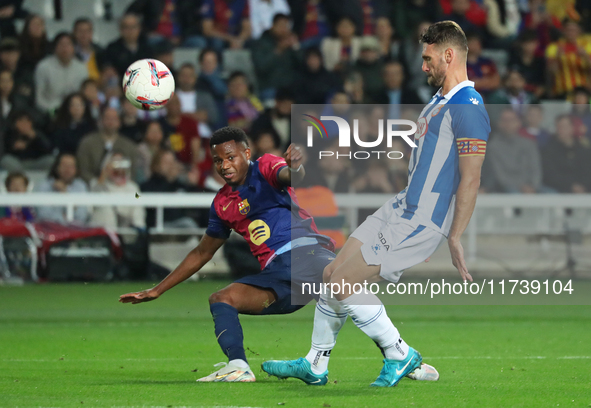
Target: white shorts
[395,245]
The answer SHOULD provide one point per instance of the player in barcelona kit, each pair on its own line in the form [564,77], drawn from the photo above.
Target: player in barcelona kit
[444,177]
[258,203]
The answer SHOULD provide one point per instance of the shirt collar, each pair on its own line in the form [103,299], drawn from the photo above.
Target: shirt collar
[455,89]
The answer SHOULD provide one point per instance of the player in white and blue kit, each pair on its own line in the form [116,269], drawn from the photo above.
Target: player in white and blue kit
[444,177]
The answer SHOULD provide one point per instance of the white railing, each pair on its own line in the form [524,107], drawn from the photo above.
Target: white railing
[349,202]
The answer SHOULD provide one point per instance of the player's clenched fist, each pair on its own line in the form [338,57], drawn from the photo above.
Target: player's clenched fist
[293,156]
[139,297]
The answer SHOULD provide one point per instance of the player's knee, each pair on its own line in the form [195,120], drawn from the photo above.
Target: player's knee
[327,273]
[221,297]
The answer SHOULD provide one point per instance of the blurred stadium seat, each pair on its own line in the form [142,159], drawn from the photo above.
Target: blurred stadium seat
[186,55]
[239,60]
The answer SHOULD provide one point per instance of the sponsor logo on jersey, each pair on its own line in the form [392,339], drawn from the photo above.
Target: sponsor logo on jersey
[383,241]
[259,231]
[244,207]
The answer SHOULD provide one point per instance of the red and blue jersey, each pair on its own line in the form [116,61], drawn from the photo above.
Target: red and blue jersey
[264,212]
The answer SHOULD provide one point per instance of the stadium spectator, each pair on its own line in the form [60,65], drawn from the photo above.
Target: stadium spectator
[341,52]
[569,61]
[532,66]
[355,88]
[565,160]
[128,48]
[198,104]
[58,75]
[277,119]
[26,147]
[546,26]
[210,80]
[581,113]
[33,42]
[110,90]
[408,15]
[10,55]
[411,55]
[313,82]
[224,23]
[466,13]
[513,160]
[533,129]
[513,92]
[241,108]
[481,70]
[374,179]
[263,142]
[310,21]
[131,126]
[262,13]
[330,172]
[172,20]
[12,101]
[182,135]
[63,178]
[10,10]
[153,142]
[72,123]
[389,47]
[87,50]
[394,92]
[89,89]
[372,10]
[503,21]
[115,177]
[97,148]
[17,182]
[370,66]
[164,178]
[276,57]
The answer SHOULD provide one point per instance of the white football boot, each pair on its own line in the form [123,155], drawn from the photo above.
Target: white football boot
[424,373]
[230,373]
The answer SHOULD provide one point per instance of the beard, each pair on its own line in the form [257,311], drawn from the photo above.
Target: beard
[436,79]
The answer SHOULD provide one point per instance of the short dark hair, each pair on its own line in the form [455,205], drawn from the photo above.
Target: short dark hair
[237,74]
[60,35]
[82,20]
[15,175]
[227,134]
[205,51]
[56,163]
[280,16]
[187,65]
[445,32]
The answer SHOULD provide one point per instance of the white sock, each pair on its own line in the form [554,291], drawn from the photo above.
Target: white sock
[239,363]
[373,320]
[329,317]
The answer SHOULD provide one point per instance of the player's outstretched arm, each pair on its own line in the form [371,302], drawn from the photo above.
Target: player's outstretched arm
[294,173]
[192,263]
[465,201]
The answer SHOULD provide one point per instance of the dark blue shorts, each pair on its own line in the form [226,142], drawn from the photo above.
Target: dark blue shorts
[285,275]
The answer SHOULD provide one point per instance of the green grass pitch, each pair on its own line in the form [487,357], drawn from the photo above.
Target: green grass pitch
[76,346]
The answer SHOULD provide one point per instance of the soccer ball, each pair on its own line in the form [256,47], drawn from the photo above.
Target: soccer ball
[148,84]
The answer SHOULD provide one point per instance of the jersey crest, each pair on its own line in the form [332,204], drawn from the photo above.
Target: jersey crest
[244,207]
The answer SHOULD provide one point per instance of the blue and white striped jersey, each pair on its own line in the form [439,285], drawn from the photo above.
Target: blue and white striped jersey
[449,126]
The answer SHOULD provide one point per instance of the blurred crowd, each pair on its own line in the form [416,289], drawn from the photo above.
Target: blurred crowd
[62,110]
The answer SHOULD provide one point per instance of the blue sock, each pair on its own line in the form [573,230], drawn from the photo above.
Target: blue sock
[228,330]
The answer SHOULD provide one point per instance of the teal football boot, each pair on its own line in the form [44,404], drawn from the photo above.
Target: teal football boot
[394,370]
[299,369]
